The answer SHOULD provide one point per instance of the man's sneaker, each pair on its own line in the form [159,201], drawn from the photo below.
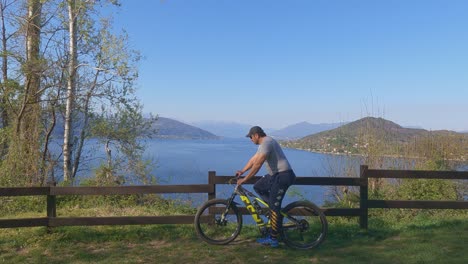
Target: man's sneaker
[273,242]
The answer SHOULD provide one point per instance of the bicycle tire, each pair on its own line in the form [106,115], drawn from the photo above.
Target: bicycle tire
[211,228]
[311,230]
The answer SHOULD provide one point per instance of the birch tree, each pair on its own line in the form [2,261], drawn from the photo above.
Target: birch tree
[71,87]
[103,78]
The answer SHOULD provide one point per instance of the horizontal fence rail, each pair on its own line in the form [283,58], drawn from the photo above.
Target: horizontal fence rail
[336,181]
[416,174]
[418,204]
[24,191]
[200,188]
[51,220]
[330,181]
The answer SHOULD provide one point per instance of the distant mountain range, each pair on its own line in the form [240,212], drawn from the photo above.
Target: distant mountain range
[348,138]
[355,137]
[302,129]
[173,129]
[325,137]
[165,127]
[224,129]
[236,130]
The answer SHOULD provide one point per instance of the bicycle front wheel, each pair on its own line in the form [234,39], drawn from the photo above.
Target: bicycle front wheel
[217,224]
[304,225]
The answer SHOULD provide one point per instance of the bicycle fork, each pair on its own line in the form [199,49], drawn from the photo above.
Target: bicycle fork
[229,203]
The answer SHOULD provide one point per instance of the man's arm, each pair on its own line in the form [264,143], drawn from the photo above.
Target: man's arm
[253,166]
[247,167]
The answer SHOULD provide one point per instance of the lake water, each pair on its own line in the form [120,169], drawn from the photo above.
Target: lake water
[189,161]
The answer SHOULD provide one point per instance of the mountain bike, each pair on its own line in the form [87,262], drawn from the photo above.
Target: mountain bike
[219,221]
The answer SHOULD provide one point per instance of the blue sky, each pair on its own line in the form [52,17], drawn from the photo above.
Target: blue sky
[277,63]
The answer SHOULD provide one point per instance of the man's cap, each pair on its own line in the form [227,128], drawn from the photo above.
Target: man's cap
[255,130]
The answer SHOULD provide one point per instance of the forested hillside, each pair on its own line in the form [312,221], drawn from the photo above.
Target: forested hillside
[170,128]
[394,140]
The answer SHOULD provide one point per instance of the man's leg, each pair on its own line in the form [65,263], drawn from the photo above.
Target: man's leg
[280,184]
[263,186]
[276,197]
[284,180]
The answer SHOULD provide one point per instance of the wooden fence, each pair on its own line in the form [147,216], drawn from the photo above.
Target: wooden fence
[52,220]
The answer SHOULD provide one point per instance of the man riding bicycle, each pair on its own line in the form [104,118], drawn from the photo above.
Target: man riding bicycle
[273,186]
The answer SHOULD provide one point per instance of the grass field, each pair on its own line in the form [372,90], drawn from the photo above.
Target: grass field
[422,240]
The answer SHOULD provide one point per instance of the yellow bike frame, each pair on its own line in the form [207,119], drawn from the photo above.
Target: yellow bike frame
[253,207]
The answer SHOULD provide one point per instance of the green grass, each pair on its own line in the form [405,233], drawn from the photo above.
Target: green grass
[422,240]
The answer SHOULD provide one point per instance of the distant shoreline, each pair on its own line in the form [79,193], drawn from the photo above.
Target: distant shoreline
[362,155]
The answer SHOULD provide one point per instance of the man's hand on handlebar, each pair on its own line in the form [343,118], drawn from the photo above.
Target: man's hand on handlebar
[239,179]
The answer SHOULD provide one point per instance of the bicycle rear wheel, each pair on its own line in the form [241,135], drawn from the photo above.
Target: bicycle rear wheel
[215,227]
[305,225]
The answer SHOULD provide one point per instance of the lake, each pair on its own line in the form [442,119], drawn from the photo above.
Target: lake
[189,161]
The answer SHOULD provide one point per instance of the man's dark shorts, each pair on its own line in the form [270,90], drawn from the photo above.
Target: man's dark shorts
[272,188]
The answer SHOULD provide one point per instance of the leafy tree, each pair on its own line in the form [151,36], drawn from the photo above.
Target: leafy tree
[122,134]
[22,118]
[62,65]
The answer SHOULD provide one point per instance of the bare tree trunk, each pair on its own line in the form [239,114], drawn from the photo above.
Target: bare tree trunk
[86,116]
[71,87]
[4,96]
[109,160]
[45,155]
[82,137]
[29,117]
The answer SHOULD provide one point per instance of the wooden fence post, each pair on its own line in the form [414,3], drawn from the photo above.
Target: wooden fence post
[212,181]
[51,206]
[364,196]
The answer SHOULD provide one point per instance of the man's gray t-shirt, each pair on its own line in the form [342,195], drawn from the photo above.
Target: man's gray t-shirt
[275,159]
